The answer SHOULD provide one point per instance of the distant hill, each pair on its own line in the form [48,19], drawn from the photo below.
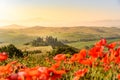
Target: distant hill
[79,31]
[13,26]
[107,23]
[21,35]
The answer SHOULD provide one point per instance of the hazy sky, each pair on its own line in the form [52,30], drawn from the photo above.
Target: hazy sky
[57,12]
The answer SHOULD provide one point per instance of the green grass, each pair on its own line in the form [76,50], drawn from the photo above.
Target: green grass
[82,44]
[16,39]
[43,49]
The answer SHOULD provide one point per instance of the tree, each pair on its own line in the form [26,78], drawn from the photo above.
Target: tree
[38,42]
[54,42]
[64,50]
[12,51]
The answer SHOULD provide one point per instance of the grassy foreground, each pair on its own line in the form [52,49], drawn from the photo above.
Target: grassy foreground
[101,62]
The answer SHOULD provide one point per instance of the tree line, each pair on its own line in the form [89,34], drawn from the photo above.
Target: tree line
[49,40]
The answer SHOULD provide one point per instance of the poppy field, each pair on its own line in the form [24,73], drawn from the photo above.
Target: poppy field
[101,62]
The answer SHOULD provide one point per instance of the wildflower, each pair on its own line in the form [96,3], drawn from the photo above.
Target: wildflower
[74,58]
[7,69]
[118,76]
[44,75]
[56,65]
[106,67]
[80,73]
[88,61]
[3,56]
[102,42]
[55,74]
[105,59]
[111,45]
[117,52]
[13,76]
[21,75]
[60,57]
[117,60]
[96,52]
[82,54]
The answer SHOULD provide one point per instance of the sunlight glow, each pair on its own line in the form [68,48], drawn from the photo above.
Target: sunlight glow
[2,4]
[3,9]
[29,13]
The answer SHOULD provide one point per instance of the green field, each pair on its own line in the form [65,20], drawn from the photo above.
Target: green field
[82,44]
[75,36]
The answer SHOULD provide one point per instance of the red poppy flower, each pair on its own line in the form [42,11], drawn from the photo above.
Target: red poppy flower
[60,57]
[88,61]
[107,67]
[21,75]
[82,54]
[44,73]
[3,56]
[102,42]
[118,76]
[112,45]
[96,52]
[80,73]
[55,74]
[105,59]
[117,52]
[76,78]
[56,65]
[33,72]
[117,60]
[112,56]
[74,58]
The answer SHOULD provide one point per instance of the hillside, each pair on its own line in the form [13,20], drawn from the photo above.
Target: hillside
[73,33]
[65,34]
[13,26]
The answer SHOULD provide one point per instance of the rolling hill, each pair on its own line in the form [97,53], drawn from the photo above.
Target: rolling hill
[66,34]
[73,33]
[13,26]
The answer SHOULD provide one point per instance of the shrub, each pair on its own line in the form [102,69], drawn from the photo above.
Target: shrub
[12,51]
[64,50]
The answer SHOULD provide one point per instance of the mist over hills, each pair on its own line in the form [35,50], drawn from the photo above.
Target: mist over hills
[106,23]
[13,26]
[37,22]
[19,35]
